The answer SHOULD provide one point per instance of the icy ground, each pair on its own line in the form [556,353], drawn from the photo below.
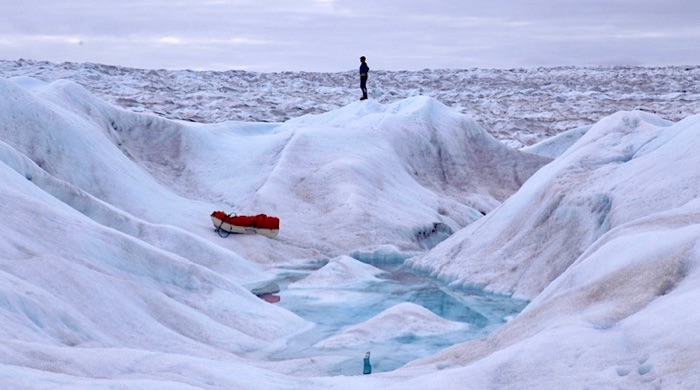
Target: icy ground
[382,307]
[521,106]
[405,226]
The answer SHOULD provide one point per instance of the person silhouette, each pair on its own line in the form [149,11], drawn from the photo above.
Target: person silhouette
[368,367]
[364,70]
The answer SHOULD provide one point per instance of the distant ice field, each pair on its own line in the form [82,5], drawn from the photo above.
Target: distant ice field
[518,106]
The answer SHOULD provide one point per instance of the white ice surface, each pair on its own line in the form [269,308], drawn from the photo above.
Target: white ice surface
[519,106]
[342,271]
[404,319]
[111,274]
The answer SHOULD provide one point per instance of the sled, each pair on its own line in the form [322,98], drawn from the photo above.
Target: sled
[262,224]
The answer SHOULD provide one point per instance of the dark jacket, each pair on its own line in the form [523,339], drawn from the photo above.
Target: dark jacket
[364,69]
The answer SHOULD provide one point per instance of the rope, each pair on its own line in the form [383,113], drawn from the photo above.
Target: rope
[221,232]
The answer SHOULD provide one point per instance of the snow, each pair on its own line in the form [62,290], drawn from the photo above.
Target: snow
[519,106]
[553,147]
[403,320]
[111,274]
[568,205]
[341,271]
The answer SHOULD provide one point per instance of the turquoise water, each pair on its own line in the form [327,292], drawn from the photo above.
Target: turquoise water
[333,308]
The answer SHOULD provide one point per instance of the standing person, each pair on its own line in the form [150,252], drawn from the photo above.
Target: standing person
[368,367]
[364,70]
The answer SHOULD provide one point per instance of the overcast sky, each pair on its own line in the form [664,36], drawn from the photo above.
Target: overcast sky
[330,35]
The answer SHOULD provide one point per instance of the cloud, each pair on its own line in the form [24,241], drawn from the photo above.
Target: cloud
[328,34]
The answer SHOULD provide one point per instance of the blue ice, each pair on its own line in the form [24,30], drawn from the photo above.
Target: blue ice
[350,305]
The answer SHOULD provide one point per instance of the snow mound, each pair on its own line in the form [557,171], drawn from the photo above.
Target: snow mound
[70,135]
[618,316]
[557,145]
[608,245]
[69,281]
[430,164]
[400,321]
[340,272]
[616,173]
[87,260]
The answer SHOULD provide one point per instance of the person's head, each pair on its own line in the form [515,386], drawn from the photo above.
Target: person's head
[362,59]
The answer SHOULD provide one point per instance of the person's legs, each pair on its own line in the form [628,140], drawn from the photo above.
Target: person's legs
[363,87]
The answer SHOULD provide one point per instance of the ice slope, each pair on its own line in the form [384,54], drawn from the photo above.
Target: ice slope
[90,290]
[388,174]
[555,146]
[402,320]
[605,240]
[621,317]
[72,289]
[341,271]
[110,266]
[617,172]
[313,172]
[67,133]
[104,288]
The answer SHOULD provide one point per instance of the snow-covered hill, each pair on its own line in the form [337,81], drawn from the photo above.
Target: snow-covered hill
[107,239]
[596,186]
[521,106]
[111,274]
[606,241]
[148,166]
